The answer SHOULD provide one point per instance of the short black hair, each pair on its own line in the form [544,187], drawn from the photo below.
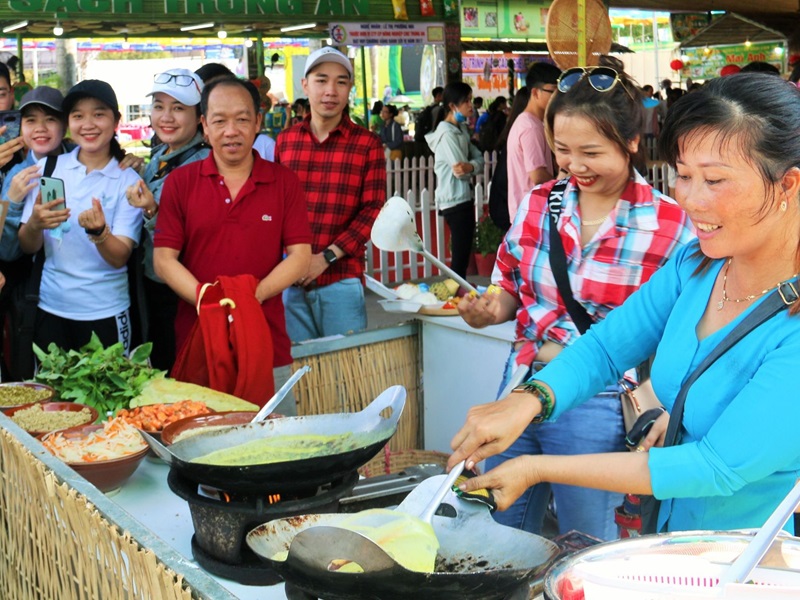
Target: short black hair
[759,66]
[229,81]
[211,70]
[541,73]
[437,90]
[5,73]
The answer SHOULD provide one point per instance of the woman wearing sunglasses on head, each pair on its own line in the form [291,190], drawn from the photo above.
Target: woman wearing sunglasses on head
[731,450]
[613,232]
[175,117]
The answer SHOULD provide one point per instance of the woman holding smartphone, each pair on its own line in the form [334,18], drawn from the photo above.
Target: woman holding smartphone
[89,234]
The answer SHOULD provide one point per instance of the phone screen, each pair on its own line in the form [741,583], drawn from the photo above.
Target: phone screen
[52,188]
[11,119]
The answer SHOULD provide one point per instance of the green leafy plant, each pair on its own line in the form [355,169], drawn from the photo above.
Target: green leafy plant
[488,236]
[103,378]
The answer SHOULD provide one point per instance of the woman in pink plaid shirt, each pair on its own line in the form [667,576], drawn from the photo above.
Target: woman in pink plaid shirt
[616,231]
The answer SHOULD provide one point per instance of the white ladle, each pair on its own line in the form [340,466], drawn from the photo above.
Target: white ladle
[358,547]
[742,567]
[395,230]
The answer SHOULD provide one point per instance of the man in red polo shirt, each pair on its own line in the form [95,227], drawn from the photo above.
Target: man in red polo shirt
[343,171]
[231,214]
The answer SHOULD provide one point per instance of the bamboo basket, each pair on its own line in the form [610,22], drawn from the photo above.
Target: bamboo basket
[54,544]
[348,380]
[389,462]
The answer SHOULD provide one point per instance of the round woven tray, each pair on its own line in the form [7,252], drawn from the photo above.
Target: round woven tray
[562,32]
[388,461]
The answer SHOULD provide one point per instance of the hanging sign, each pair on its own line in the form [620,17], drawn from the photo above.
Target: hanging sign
[706,63]
[381,34]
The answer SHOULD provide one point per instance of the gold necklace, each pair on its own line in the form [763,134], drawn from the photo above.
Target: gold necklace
[721,303]
[594,222]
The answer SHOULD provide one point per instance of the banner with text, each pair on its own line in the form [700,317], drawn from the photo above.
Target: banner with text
[706,63]
[391,33]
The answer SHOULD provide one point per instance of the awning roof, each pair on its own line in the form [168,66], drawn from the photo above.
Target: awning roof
[732,29]
[740,6]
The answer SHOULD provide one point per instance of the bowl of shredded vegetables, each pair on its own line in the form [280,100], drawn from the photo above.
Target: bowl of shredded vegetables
[105,455]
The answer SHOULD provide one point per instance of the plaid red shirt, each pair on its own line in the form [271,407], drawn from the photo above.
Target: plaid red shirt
[345,183]
[638,237]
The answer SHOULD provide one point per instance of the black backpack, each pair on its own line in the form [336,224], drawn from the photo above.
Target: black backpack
[498,193]
[424,123]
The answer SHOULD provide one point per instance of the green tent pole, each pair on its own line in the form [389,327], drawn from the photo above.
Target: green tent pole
[20,64]
[260,55]
[364,86]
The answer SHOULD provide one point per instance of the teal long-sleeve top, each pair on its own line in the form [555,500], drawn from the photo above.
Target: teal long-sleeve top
[740,453]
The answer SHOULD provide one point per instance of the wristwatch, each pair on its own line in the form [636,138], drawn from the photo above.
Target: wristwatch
[330,256]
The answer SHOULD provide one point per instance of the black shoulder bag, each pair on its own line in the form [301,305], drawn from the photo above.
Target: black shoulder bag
[780,299]
[22,311]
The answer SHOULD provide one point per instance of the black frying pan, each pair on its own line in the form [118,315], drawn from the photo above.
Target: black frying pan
[370,430]
[478,559]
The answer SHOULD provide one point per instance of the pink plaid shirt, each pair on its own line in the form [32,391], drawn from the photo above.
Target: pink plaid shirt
[639,235]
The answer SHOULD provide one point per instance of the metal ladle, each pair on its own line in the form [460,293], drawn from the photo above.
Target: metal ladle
[318,540]
[165,454]
[395,230]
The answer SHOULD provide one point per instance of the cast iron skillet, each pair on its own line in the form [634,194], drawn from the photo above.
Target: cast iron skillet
[370,430]
[478,559]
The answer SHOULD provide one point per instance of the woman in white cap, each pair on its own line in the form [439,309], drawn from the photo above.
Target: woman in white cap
[175,117]
[89,233]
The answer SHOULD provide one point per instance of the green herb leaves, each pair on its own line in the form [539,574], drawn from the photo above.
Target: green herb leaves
[103,378]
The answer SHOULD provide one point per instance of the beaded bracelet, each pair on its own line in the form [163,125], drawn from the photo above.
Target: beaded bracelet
[97,240]
[536,388]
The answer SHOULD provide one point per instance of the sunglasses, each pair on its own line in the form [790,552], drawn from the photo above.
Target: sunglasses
[180,80]
[602,79]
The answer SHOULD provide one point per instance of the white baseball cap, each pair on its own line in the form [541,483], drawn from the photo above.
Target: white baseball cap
[327,54]
[182,84]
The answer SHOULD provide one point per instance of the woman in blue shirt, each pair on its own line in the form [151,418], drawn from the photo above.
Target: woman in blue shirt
[736,146]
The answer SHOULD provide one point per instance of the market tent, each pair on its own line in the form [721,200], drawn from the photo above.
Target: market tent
[741,6]
[732,28]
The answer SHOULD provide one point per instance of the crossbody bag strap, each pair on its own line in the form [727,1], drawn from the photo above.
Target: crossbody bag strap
[780,299]
[35,280]
[558,260]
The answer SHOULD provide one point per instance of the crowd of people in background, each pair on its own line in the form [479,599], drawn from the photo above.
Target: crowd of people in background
[128,250]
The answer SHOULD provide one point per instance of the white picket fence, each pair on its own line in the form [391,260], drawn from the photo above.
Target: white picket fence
[413,179]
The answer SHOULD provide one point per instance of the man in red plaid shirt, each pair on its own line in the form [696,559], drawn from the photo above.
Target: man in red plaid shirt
[343,171]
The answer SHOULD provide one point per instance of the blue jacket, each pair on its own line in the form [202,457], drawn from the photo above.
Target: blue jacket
[740,452]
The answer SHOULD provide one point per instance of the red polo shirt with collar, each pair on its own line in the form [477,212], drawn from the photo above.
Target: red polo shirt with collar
[219,236]
[344,178]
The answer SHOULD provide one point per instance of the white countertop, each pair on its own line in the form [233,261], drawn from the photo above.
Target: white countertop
[147,497]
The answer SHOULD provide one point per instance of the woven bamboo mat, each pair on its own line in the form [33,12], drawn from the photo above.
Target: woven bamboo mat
[55,545]
[348,380]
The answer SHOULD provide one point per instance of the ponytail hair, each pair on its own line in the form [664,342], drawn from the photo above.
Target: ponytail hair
[115,149]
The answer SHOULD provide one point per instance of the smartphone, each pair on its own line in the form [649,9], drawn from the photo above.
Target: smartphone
[52,188]
[11,119]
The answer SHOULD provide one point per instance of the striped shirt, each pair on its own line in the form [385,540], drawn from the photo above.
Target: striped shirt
[638,236]
[344,178]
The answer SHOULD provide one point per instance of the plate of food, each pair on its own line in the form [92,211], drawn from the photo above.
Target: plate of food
[436,299]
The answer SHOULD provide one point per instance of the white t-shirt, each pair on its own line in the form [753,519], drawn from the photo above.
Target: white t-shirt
[527,150]
[265,146]
[77,283]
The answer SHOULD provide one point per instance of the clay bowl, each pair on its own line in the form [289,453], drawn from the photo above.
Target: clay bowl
[106,475]
[33,386]
[221,419]
[56,407]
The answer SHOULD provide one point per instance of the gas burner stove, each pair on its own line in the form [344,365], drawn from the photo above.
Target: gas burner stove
[221,521]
